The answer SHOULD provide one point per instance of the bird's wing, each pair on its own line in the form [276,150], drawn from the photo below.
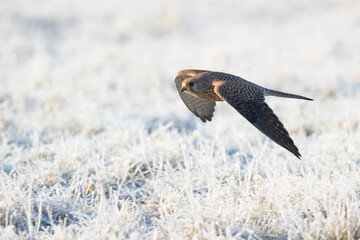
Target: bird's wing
[257,112]
[201,108]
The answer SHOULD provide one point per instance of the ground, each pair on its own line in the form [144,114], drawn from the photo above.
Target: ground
[95,142]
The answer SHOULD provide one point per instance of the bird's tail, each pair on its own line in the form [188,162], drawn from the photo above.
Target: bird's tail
[269,92]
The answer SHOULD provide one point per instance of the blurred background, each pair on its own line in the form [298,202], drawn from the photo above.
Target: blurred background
[91,66]
[58,53]
[86,92]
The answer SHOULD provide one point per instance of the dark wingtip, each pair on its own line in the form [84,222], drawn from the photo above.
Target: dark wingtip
[293,149]
[204,119]
[298,155]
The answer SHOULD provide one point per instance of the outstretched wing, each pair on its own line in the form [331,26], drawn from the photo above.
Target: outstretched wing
[257,112]
[201,108]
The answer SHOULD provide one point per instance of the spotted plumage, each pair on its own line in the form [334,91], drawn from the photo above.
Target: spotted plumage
[200,89]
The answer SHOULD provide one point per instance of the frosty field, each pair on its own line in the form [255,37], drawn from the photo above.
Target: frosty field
[95,142]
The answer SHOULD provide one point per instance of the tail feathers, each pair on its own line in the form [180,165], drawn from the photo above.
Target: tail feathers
[269,92]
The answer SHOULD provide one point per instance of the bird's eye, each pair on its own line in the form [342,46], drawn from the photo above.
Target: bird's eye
[191,84]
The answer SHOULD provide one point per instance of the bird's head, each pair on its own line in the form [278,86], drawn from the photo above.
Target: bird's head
[191,81]
[189,84]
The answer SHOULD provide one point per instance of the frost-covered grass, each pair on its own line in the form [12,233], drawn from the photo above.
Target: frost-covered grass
[95,142]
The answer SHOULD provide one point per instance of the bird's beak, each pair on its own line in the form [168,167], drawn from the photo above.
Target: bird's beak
[183,88]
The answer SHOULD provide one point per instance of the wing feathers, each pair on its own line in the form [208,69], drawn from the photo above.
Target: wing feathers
[258,113]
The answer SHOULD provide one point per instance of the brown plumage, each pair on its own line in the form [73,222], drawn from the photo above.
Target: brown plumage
[200,89]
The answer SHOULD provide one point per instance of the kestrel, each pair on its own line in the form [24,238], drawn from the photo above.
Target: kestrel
[200,89]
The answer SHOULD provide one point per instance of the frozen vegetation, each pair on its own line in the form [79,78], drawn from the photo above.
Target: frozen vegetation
[95,142]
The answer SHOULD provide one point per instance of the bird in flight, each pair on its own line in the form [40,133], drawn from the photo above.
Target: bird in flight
[200,89]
